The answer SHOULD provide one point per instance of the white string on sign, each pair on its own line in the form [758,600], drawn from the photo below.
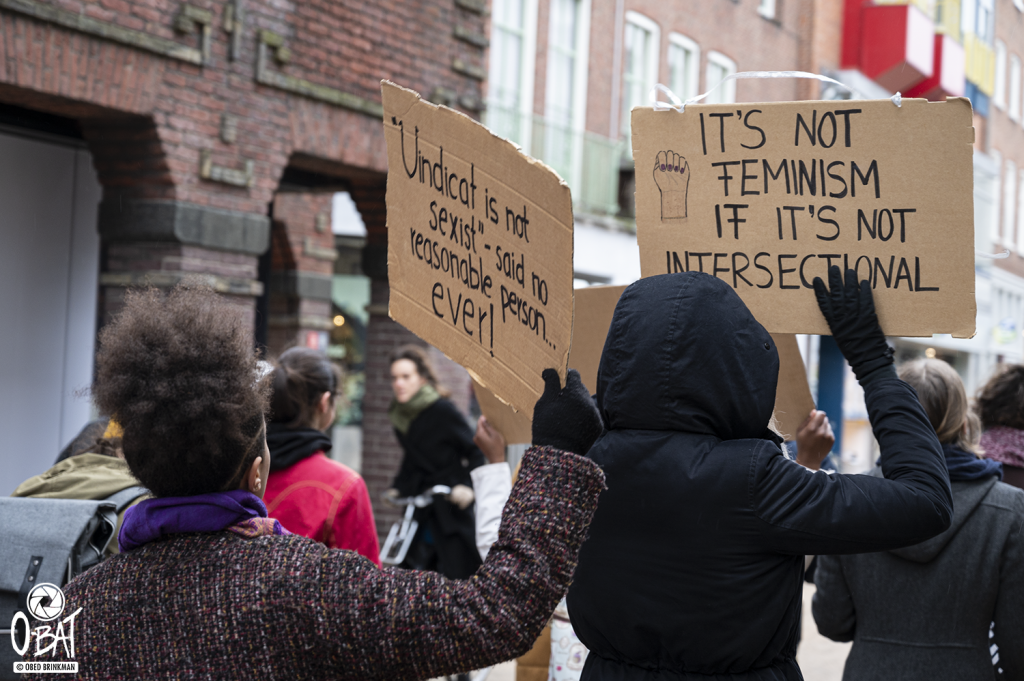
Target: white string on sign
[993,256]
[676,104]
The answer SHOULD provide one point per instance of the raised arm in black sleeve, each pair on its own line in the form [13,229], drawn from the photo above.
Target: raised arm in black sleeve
[807,512]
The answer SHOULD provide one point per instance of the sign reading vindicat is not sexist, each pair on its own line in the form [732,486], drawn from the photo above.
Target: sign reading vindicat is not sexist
[479,247]
[767,196]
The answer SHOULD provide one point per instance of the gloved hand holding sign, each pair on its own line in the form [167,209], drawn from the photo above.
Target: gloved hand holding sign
[565,418]
[850,313]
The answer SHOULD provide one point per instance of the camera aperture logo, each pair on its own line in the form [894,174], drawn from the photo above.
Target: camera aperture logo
[46,603]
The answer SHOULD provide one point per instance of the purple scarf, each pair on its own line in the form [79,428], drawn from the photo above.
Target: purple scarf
[1004,444]
[236,511]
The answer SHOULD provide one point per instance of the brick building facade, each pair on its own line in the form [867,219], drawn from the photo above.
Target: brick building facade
[217,130]
[207,137]
[582,65]
[578,67]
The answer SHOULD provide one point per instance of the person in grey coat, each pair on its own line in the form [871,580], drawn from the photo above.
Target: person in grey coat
[924,611]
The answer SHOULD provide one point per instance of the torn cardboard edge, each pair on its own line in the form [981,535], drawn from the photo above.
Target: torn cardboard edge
[515,426]
[793,401]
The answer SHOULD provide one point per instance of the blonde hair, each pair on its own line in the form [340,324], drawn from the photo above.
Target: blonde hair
[944,399]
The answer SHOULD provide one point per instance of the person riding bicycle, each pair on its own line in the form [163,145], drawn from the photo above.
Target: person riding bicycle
[439,450]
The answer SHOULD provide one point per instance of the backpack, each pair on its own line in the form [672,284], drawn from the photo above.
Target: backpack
[49,541]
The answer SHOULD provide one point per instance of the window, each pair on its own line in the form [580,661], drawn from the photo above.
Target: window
[640,71]
[997,159]
[719,68]
[1014,87]
[984,26]
[766,8]
[683,66]
[1020,214]
[977,17]
[562,54]
[947,17]
[565,86]
[510,80]
[999,95]
[1009,201]
[968,12]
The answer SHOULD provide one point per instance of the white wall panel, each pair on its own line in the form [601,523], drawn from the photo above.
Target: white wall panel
[49,262]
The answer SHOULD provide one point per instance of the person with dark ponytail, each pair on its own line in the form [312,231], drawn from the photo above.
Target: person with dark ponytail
[307,492]
[439,450]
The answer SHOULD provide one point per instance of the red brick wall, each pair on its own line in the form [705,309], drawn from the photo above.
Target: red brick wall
[733,28]
[149,118]
[152,260]
[299,220]
[297,213]
[827,35]
[602,74]
[348,45]
[381,452]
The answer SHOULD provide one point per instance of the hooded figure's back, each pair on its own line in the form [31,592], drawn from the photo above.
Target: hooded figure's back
[694,561]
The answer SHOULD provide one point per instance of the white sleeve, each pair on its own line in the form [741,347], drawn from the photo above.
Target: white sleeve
[492,484]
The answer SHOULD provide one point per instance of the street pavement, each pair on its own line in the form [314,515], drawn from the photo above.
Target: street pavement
[820,659]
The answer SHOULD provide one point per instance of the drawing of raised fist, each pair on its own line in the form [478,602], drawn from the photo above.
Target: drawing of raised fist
[672,175]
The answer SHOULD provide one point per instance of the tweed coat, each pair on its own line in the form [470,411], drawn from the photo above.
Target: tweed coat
[220,606]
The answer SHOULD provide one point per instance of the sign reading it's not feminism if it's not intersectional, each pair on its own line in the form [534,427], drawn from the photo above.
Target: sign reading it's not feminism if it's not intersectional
[479,247]
[767,196]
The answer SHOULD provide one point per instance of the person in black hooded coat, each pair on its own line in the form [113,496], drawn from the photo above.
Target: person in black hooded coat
[693,566]
[439,449]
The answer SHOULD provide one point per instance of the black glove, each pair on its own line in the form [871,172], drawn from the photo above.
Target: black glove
[565,418]
[850,313]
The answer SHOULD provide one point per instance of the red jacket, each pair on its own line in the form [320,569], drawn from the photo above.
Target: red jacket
[325,501]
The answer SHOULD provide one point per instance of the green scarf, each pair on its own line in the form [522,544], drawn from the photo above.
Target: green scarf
[402,415]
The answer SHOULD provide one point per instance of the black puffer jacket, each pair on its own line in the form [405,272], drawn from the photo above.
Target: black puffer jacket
[694,561]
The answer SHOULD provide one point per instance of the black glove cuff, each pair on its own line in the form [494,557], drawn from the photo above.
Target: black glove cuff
[875,370]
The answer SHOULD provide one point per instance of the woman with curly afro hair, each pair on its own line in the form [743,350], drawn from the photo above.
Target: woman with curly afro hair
[208,587]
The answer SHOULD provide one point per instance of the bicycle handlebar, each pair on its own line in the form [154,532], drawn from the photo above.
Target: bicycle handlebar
[421,500]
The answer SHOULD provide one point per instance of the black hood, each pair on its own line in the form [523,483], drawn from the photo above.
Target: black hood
[684,353]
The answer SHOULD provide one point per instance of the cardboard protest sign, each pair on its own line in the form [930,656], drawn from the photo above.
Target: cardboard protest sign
[515,426]
[793,401]
[592,317]
[766,196]
[479,247]
[595,306]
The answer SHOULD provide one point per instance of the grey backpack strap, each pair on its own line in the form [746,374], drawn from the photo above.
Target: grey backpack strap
[126,496]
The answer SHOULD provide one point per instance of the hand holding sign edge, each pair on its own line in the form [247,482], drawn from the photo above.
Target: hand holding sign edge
[849,310]
[565,418]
